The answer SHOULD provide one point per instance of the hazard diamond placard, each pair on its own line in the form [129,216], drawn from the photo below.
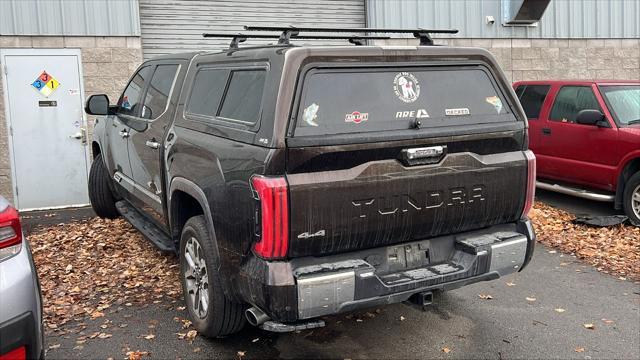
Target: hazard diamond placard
[45,84]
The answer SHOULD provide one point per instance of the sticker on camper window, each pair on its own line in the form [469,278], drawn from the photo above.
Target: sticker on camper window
[406,87]
[45,84]
[310,114]
[356,117]
[457,112]
[496,102]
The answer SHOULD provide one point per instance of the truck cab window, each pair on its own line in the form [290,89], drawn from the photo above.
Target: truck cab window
[532,97]
[157,96]
[570,101]
[130,100]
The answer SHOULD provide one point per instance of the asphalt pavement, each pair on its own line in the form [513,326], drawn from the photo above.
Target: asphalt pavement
[558,307]
[539,313]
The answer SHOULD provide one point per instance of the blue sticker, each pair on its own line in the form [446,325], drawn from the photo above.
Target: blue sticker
[38,84]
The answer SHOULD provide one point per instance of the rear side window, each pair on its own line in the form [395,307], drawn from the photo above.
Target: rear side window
[129,103]
[243,99]
[157,96]
[208,87]
[532,97]
[345,101]
[570,101]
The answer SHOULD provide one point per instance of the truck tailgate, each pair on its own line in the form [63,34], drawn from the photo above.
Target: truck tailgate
[385,202]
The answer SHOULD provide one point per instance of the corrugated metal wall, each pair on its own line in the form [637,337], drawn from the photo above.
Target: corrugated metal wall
[170,26]
[562,19]
[69,17]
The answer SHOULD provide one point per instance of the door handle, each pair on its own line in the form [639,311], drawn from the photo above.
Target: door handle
[124,133]
[546,131]
[152,144]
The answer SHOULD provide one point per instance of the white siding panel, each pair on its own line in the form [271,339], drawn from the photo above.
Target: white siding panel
[171,26]
[69,17]
[562,19]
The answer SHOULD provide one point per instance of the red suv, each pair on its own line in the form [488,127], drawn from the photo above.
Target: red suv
[586,136]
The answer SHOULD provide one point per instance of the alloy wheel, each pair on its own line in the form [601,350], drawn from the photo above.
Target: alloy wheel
[196,278]
[635,201]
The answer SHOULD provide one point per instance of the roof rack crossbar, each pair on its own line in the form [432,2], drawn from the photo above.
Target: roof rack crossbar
[424,35]
[236,39]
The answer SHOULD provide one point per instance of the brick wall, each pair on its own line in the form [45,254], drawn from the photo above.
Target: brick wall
[107,63]
[542,59]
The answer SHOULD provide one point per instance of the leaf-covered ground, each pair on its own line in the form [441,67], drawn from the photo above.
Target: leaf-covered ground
[614,250]
[89,267]
[92,267]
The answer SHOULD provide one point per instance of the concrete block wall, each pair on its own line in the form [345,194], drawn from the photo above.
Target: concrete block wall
[543,59]
[107,64]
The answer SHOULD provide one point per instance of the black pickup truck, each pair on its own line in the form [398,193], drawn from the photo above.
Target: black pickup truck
[301,181]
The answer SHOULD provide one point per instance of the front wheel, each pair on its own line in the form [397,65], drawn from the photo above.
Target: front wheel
[631,199]
[212,313]
[102,200]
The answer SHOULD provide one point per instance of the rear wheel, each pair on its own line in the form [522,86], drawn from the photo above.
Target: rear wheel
[631,199]
[212,313]
[100,194]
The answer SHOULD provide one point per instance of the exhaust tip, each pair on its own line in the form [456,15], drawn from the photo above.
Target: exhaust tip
[255,316]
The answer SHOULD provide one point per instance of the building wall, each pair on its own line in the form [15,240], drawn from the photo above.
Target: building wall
[579,19]
[69,17]
[172,26]
[542,59]
[107,63]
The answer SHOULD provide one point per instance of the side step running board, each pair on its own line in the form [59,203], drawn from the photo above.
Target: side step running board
[161,240]
[581,193]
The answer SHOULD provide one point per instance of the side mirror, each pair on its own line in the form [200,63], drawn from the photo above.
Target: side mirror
[591,117]
[97,105]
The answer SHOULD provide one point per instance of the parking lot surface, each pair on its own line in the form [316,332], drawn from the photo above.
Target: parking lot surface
[557,308]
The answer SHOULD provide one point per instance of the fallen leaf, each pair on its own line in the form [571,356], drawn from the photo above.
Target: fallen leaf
[255,340]
[531,299]
[485,296]
[560,310]
[241,354]
[511,284]
[402,318]
[579,350]
[589,326]
[54,346]
[446,350]
[196,349]
[607,321]
[104,336]
[150,337]
[97,314]
[191,334]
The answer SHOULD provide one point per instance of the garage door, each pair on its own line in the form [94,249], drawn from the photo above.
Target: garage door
[170,26]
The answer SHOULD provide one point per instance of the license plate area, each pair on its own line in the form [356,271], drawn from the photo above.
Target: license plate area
[405,257]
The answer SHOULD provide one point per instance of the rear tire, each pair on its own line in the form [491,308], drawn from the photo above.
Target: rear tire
[631,199]
[100,194]
[212,313]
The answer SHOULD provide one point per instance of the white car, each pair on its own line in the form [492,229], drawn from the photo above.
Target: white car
[21,330]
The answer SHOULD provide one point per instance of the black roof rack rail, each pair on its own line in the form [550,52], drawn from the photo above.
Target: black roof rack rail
[236,39]
[287,31]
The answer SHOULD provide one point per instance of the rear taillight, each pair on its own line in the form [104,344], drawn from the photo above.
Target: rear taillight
[15,354]
[10,233]
[531,182]
[272,215]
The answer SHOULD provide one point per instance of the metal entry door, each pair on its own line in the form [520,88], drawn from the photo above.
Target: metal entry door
[47,137]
